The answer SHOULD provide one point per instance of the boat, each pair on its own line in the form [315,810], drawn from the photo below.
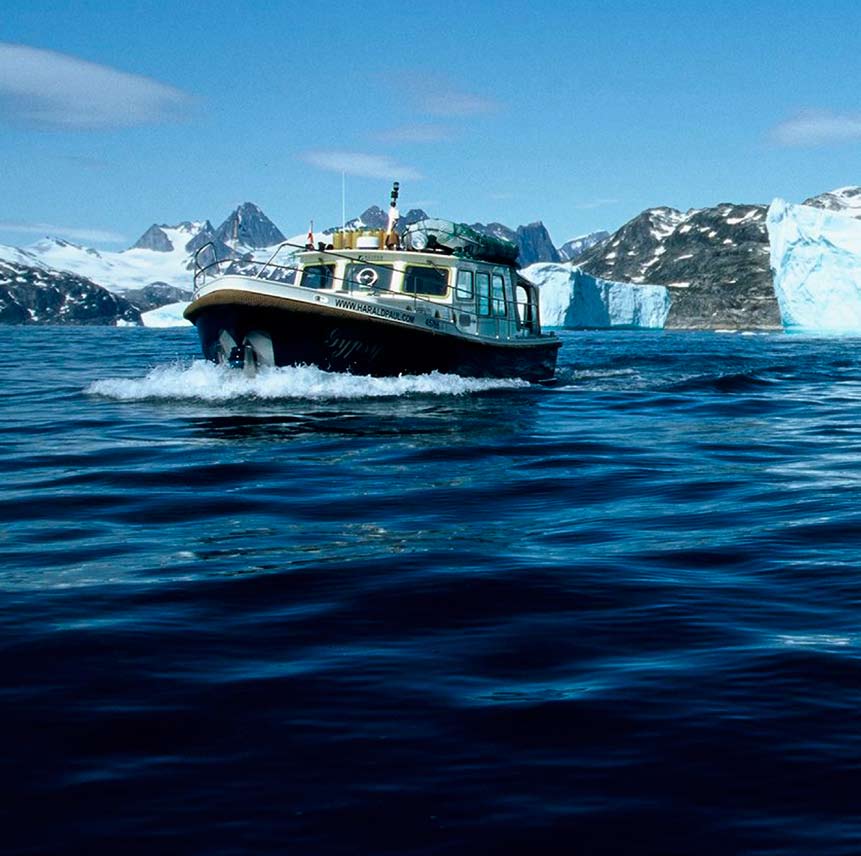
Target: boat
[436,296]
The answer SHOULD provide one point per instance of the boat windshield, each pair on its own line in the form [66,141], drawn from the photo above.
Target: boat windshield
[366,275]
[419,279]
[318,276]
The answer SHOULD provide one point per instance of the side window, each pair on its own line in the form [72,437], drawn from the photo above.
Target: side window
[318,276]
[364,275]
[464,285]
[425,280]
[498,295]
[482,289]
[524,308]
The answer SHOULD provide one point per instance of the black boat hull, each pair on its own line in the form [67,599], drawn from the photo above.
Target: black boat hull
[338,341]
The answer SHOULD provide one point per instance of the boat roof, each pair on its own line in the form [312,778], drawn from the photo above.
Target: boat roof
[386,256]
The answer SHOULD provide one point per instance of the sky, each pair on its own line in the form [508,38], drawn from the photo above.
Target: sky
[115,115]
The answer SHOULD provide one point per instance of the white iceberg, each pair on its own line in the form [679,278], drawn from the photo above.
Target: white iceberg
[572,298]
[169,315]
[816,263]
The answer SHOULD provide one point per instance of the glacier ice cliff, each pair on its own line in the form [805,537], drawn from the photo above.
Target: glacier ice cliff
[816,262]
[169,315]
[572,298]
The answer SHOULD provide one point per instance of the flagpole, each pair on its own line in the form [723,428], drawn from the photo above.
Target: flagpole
[343,200]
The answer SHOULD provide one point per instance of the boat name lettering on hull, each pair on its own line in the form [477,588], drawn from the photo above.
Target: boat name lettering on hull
[379,311]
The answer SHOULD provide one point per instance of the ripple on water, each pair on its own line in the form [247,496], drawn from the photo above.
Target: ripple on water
[427,615]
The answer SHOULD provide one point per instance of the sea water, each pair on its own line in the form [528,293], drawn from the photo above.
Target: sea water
[311,613]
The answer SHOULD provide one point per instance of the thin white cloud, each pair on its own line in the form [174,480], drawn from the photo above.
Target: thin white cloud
[437,95]
[69,232]
[595,203]
[453,102]
[818,128]
[421,133]
[54,90]
[361,165]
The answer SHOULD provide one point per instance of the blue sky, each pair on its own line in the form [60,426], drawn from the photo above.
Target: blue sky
[116,115]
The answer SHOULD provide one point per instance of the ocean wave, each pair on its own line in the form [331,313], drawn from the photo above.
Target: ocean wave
[205,381]
[728,382]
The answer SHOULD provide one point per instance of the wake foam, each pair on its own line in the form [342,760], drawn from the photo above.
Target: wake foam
[205,381]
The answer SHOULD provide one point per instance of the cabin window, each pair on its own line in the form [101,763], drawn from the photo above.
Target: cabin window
[482,289]
[525,314]
[464,285]
[425,280]
[364,275]
[318,276]
[498,295]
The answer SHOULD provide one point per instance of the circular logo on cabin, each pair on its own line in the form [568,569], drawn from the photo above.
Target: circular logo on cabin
[367,277]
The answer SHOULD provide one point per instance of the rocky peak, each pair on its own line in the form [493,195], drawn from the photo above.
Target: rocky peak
[207,235]
[373,218]
[414,215]
[535,244]
[250,227]
[623,256]
[843,199]
[533,241]
[571,250]
[154,239]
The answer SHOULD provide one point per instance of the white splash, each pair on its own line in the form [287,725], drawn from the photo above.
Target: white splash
[205,381]
[816,640]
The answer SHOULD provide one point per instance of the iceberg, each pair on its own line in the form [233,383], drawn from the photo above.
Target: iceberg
[169,315]
[570,297]
[816,264]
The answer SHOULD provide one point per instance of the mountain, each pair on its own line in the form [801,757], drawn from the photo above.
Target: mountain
[371,218]
[156,294]
[156,270]
[155,238]
[188,236]
[845,200]
[116,271]
[34,295]
[206,235]
[163,254]
[533,241]
[375,218]
[571,250]
[714,260]
[250,227]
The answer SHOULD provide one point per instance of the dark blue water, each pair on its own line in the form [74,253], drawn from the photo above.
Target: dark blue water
[323,615]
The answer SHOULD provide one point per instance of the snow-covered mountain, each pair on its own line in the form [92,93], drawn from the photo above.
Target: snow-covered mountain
[36,295]
[844,199]
[163,254]
[714,260]
[571,250]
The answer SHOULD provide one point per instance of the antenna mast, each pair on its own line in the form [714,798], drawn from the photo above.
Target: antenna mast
[394,216]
